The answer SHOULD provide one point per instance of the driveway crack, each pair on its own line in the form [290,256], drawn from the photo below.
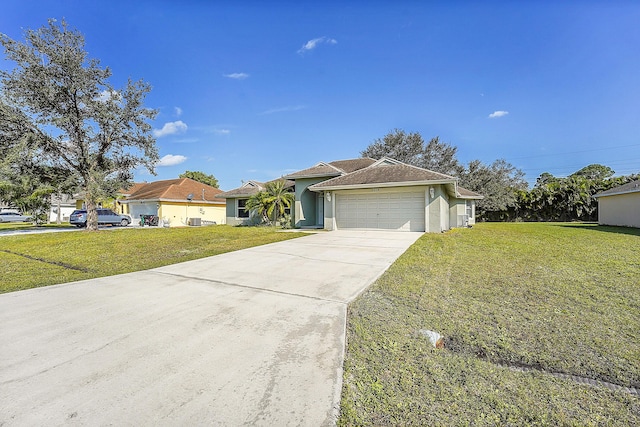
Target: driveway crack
[255,288]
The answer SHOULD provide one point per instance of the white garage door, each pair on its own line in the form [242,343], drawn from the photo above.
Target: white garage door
[381,210]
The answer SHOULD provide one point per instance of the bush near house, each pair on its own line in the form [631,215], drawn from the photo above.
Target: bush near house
[547,297]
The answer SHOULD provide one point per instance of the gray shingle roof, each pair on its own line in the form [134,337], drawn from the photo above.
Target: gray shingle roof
[251,189]
[630,187]
[321,169]
[468,194]
[384,173]
[334,168]
[353,165]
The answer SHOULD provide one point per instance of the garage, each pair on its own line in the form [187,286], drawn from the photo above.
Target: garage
[391,210]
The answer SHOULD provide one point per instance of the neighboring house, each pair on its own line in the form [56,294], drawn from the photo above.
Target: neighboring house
[620,205]
[123,208]
[62,206]
[374,194]
[113,204]
[177,202]
[236,213]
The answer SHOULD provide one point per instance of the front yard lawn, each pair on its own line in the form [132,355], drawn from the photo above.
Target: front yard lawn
[29,261]
[8,226]
[550,298]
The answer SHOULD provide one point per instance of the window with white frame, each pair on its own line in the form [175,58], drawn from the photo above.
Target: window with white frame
[469,206]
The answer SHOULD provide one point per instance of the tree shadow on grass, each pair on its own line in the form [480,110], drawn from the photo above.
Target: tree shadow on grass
[603,228]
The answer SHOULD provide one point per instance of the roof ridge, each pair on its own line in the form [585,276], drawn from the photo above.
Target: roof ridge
[400,163]
[331,166]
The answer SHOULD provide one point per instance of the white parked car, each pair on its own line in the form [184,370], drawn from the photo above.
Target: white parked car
[12,216]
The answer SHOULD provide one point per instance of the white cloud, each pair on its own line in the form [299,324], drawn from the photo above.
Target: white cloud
[284,109]
[222,131]
[497,114]
[178,111]
[237,76]
[312,44]
[170,128]
[171,160]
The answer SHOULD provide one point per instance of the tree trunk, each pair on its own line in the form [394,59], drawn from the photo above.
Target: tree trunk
[92,214]
[58,219]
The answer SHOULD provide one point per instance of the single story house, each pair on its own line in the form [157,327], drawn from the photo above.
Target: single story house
[383,194]
[620,205]
[236,199]
[177,202]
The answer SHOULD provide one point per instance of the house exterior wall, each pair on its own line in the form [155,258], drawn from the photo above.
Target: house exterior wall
[65,213]
[444,210]
[305,212]
[177,213]
[231,211]
[123,208]
[458,213]
[438,207]
[620,210]
[329,209]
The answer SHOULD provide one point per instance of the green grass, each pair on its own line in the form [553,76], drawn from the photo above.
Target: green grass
[555,297]
[29,261]
[7,226]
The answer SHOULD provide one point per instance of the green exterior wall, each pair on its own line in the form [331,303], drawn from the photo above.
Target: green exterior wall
[305,212]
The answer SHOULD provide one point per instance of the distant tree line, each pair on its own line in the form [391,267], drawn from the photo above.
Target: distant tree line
[563,199]
[507,196]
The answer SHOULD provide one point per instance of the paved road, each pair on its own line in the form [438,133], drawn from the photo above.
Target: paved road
[253,337]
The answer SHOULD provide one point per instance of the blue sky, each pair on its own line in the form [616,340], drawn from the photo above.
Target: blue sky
[255,90]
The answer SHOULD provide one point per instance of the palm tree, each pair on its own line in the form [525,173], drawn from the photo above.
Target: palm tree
[279,198]
[271,203]
[258,205]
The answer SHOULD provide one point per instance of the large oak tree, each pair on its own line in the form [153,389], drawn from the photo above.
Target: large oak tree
[57,105]
[410,148]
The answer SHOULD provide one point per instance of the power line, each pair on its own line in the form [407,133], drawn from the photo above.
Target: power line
[629,164]
[574,152]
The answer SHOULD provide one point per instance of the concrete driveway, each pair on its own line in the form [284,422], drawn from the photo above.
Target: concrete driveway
[250,337]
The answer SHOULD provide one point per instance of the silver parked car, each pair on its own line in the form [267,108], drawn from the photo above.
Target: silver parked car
[11,216]
[105,216]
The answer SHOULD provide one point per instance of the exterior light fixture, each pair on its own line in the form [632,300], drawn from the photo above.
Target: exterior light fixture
[432,192]
[328,194]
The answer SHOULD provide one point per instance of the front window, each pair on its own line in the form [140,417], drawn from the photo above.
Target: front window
[242,211]
[469,204]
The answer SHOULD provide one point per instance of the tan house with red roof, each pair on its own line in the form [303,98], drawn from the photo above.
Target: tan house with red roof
[177,202]
[365,193]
